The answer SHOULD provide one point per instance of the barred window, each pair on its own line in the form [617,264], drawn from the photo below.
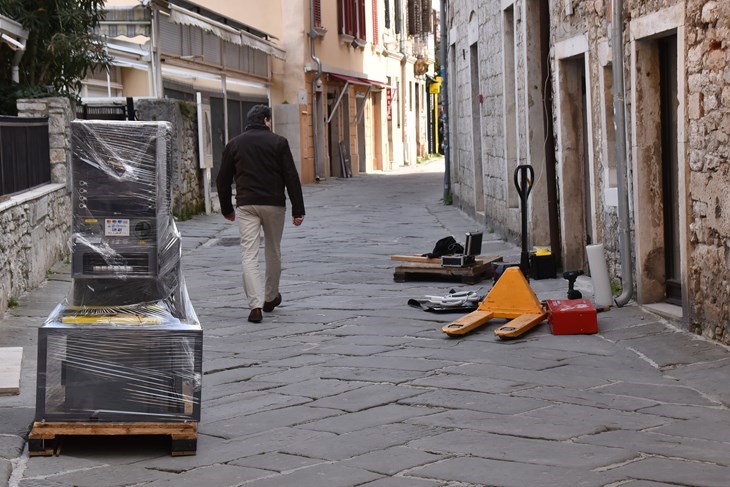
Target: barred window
[419,17]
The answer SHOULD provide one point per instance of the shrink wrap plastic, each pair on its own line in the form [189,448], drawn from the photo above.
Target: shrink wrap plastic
[126,344]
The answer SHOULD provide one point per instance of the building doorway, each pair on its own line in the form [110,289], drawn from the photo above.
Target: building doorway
[670,178]
[575,174]
[659,174]
[476,118]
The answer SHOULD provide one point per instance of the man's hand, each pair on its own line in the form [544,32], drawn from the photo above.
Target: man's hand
[231,216]
[298,220]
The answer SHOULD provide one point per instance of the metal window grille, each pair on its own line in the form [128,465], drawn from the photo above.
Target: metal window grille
[24,154]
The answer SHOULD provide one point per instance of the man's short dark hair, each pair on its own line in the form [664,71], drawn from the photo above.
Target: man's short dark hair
[257,114]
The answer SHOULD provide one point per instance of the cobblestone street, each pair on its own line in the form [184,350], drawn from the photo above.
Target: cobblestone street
[345,384]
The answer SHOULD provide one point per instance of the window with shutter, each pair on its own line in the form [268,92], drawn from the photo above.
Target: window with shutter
[426,16]
[351,18]
[418,17]
[361,29]
[376,31]
[317,13]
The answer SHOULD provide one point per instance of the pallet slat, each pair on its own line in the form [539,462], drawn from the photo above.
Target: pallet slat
[420,268]
[43,436]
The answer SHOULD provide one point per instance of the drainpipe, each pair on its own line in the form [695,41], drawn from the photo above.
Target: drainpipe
[445,98]
[617,36]
[16,62]
[313,34]
[403,63]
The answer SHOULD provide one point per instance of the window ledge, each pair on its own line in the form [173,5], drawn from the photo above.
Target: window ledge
[352,41]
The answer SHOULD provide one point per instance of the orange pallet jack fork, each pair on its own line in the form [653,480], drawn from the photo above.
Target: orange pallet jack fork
[511,298]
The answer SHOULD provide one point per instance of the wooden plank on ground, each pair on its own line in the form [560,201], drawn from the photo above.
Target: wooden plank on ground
[11,359]
[472,274]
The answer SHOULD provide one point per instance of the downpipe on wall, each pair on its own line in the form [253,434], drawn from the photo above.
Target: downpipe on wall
[315,81]
[445,99]
[400,29]
[617,53]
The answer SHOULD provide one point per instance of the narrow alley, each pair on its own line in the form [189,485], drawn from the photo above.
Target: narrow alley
[345,384]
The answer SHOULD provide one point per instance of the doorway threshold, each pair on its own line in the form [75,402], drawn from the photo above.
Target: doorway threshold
[666,310]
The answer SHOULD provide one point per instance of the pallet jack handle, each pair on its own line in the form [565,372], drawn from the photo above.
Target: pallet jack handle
[524,176]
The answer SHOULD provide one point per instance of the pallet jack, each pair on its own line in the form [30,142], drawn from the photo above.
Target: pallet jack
[511,298]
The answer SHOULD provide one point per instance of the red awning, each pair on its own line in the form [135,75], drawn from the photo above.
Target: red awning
[359,81]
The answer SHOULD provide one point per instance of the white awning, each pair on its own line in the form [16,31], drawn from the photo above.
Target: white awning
[182,16]
[13,33]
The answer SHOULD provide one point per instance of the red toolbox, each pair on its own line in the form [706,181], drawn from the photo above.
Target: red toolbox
[572,316]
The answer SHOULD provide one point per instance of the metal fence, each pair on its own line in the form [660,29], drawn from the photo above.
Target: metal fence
[112,111]
[24,155]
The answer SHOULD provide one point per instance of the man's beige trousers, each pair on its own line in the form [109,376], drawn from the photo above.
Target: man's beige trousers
[251,218]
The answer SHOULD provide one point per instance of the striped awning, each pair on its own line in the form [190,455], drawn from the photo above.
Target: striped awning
[126,21]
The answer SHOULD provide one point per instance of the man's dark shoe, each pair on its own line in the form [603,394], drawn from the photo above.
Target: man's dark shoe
[255,315]
[270,305]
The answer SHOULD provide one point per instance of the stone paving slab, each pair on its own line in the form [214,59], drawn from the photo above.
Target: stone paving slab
[6,469]
[677,472]
[391,461]
[515,425]
[324,474]
[476,401]
[276,462]
[697,428]
[596,397]
[11,446]
[343,423]
[238,426]
[214,475]
[483,472]
[608,418]
[660,392]
[524,450]
[367,397]
[676,348]
[343,446]
[648,442]
[111,476]
[403,481]
[549,377]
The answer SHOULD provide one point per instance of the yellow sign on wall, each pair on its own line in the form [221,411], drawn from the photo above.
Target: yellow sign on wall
[435,88]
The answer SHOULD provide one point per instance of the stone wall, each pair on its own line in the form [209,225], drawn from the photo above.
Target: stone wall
[708,111]
[187,183]
[37,223]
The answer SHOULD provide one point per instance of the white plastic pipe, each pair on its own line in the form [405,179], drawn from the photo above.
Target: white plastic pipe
[602,296]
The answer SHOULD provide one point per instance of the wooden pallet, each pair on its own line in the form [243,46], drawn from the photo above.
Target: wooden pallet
[417,268]
[43,439]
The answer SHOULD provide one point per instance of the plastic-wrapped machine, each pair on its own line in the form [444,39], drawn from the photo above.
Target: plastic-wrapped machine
[126,345]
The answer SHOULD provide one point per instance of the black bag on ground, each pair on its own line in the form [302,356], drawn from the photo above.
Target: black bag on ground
[445,246]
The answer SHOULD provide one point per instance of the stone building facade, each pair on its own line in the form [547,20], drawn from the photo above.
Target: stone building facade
[530,82]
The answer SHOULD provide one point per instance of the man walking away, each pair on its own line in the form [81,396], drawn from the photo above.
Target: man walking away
[261,164]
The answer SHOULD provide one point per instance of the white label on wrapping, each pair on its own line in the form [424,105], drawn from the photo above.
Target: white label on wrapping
[116,227]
